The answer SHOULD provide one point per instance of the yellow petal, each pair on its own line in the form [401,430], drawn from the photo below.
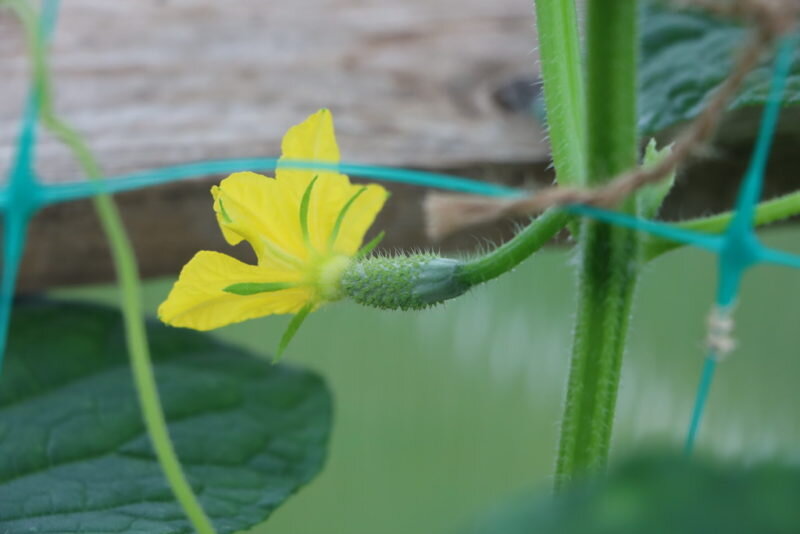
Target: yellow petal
[266,212]
[197,299]
[315,140]
[328,198]
[254,207]
[312,139]
[359,217]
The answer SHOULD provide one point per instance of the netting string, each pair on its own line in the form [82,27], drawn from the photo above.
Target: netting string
[116,184]
[23,188]
[741,248]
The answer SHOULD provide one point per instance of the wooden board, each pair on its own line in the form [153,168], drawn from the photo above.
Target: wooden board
[154,83]
[435,84]
[157,82]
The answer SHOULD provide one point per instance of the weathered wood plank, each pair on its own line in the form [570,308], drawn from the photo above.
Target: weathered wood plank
[415,83]
[156,82]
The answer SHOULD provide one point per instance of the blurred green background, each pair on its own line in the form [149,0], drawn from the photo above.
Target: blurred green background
[441,415]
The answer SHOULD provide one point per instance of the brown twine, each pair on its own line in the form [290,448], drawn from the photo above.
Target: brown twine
[719,338]
[447,213]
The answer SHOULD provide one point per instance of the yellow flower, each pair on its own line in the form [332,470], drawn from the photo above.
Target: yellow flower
[304,226]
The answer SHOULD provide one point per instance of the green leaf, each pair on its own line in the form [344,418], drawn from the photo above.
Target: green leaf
[367,249]
[661,495]
[650,197]
[337,226]
[291,330]
[253,288]
[305,202]
[74,456]
[225,216]
[685,55]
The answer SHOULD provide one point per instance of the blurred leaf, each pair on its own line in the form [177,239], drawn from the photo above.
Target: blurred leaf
[685,55]
[74,456]
[662,495]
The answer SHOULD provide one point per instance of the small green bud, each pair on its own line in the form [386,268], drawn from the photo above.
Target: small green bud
[403,282]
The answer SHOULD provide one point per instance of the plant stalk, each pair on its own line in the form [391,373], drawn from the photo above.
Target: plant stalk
[560,64]
[767,212]
[608,255]
[511,253]
[559,54]
[128,276]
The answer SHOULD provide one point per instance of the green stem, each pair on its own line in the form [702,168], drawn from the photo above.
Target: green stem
[560,61]
[510,254]
[127,273]
[559,52]
[559,56]
[608,267]
[767,212]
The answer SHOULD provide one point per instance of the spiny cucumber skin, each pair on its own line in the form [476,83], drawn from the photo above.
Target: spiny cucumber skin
[403,282]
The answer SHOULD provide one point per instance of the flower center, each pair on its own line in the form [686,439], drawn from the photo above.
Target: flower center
[328,277]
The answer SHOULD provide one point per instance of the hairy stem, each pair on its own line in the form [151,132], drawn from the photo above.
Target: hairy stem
[127,274]
[560,61]
[510,254]
[608,255]
[557,28]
